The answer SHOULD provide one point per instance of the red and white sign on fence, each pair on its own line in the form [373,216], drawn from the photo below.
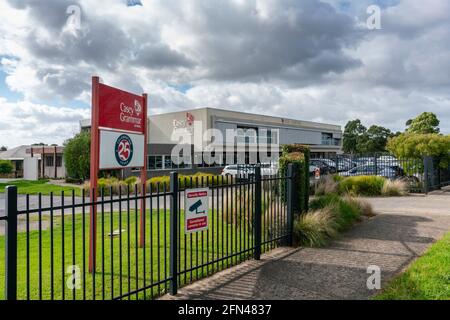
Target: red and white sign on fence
[118,141]
[196,206]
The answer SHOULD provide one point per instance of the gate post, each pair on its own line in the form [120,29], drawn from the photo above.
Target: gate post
[290,196]
[426,174]
[337,163]
[173,233]
[258,212]
[11,243]
[375,163]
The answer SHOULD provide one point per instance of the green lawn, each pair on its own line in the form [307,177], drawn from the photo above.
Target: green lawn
[40,186]
[228,237]
[427,278]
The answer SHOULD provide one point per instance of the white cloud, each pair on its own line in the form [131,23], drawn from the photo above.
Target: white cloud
[26,123]
[308,59]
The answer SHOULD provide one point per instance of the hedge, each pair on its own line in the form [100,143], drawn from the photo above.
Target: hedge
[161,183]
[297,154]
[6,167]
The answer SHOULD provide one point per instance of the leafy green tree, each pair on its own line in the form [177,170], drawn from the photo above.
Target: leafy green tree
[77,156]
[416,145]
[373,140]
[426,122]
[3,148]
[6,167]
[352,132]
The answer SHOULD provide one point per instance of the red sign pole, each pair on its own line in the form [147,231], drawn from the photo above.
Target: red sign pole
[94,172]
[144,175]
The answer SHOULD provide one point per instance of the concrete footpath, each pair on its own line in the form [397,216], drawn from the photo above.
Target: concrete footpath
[403,229]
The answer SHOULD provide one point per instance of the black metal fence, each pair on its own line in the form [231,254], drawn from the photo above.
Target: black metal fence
[47,242]
[412,171]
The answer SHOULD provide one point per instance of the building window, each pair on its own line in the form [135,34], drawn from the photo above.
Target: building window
[49,161]
[246,135]
[155,162]
[268,136]
[163,162]
[59,161]
[168,164]
[327,139]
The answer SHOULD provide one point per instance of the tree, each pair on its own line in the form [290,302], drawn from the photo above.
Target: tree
[373,140]
[6,167]
[426,122]
[352,133]
[417,145]
[3,148]
[77,156]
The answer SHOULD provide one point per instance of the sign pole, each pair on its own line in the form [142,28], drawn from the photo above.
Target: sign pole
[144,176]
[94,165]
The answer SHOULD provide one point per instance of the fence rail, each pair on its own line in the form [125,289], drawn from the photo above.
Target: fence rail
[138,256]
[412,171]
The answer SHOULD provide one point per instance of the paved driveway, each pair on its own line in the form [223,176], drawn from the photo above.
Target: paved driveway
[403,229]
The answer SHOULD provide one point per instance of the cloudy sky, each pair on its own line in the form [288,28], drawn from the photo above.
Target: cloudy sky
[305,59]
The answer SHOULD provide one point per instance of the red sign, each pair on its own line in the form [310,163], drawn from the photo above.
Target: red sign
[197,194]
[121,110]
[317,173]
[197,223]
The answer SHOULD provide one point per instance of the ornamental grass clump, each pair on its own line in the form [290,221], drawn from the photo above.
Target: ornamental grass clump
[362,185]
[315,228]
[394,188]
[329,214]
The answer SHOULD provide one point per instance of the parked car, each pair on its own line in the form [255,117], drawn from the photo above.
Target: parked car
[324,168]
[234,170]
[345,164]
[246,170]
[370,169]
[269,169]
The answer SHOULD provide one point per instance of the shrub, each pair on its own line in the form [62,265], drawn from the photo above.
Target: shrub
[337,178]
[366,208]
[6,167]
[326,185]
[77,156]
[362,185]
[131,180]
[299,155]
[394,188]
[74,180]
[347,213]
[329,214]
[314,228]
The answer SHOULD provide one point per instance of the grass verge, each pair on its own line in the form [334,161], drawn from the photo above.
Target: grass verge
[39,186]
[427,278]
[123,266]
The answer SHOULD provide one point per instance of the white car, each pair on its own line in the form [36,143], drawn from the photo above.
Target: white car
[245,171]
[237,171]
[268,169]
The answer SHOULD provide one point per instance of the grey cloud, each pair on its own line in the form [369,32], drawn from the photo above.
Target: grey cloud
[158,55]
[239,45]
[48,13]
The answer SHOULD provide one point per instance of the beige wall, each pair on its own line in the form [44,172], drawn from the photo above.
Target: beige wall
[160,126]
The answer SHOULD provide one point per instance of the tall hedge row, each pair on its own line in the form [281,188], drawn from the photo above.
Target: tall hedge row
[297,154]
